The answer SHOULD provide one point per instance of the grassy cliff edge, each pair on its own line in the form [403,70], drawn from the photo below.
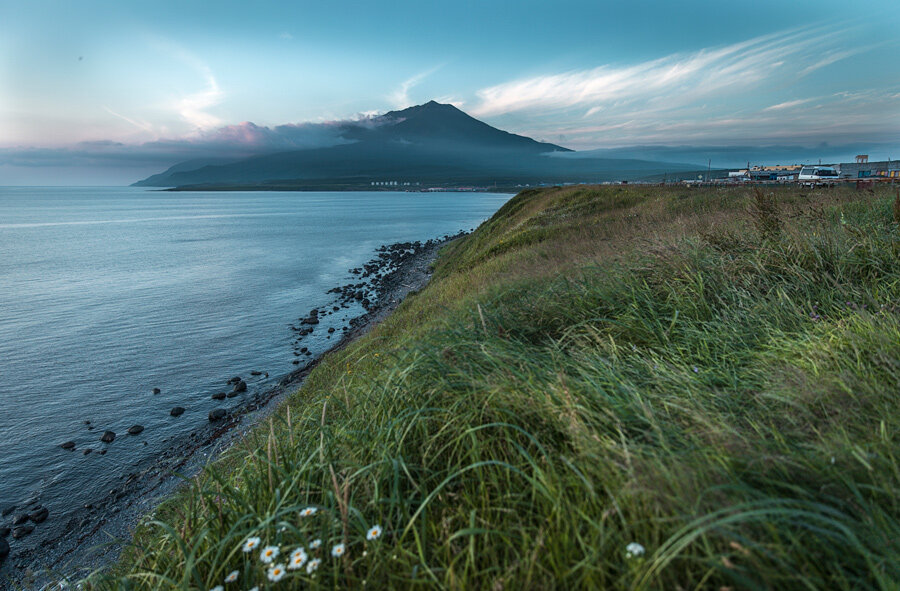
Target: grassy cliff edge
[602,387]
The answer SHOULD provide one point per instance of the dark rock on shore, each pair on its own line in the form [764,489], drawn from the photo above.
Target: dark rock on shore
[108,437]
[156,390]
[39,515]
[22,531]
[4,550]
[218,396]
[255,373]
[217,414]
[234,380]
[87,451]
[135,429]
[7,510]
[239,387]
[70,445]
[177,411]
[20,519]
[4,531]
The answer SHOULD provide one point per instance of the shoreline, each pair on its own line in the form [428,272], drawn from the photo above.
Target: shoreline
[93,537]
[507,189]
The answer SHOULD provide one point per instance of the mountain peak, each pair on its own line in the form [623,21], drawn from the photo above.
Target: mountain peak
[431,108]
[439,122]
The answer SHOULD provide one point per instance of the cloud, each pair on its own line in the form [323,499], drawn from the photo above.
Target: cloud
[787,105]
[451,100]
[862,116]
[143,125]
[193,107]
[677,79]
[729,94]
[399,98]
[833,57]
[226,142]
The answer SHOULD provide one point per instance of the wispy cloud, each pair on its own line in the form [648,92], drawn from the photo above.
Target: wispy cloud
[140,124]
[832,57]
[193,107]
[865,115]
[677,78]
[787,105]
[399,98]
[731,94]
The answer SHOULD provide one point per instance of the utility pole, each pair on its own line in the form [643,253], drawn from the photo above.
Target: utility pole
[708,168]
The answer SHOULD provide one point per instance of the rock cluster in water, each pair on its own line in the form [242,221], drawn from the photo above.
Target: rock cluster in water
[21,523]
[376,278]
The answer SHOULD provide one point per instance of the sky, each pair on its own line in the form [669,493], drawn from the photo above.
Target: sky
[96,92]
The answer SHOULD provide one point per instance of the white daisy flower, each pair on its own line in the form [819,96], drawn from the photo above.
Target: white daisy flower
[338,550]
[315,544]
[633,550]
[250,544]
[276,573]
[308,512]
[232,576]
[269,553]
[374,532]
[253,589]
[313,565]
[218,588]
[298,559]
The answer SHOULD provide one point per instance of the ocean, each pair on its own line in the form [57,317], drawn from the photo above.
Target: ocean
[107,293]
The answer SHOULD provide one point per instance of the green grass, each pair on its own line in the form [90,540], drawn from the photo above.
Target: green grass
[713,374]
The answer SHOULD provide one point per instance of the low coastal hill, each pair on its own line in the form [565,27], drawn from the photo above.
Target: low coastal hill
[601,388]
[426,145]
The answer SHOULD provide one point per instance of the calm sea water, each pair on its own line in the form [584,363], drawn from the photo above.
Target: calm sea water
[106,293]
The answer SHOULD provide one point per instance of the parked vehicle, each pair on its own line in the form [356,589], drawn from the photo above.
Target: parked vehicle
[812,176]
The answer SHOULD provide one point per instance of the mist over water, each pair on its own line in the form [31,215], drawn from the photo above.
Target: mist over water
[107,293]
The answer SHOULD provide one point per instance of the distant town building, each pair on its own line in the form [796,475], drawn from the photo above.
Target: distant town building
[865,169]
[777,173]
[861,168]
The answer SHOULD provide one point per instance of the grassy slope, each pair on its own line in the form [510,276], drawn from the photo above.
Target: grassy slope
[709,373]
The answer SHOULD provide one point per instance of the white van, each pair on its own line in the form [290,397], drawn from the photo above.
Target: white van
[811,176]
